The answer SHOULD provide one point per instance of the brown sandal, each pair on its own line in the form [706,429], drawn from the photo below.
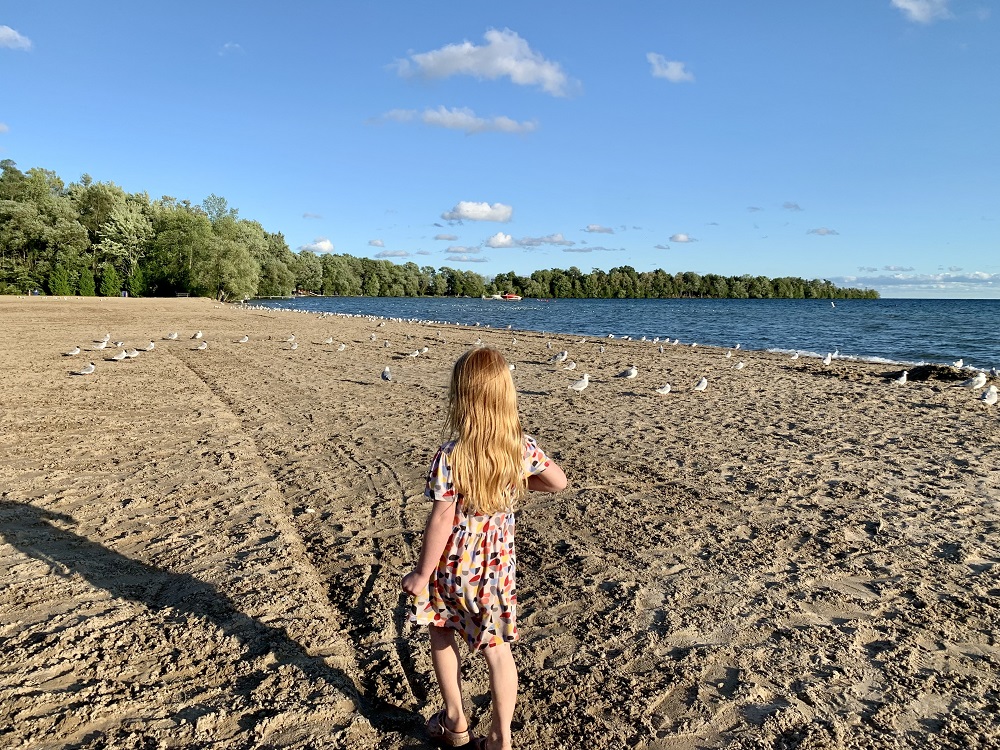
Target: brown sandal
[438,731]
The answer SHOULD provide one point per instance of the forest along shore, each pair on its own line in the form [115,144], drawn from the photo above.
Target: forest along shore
[202,546]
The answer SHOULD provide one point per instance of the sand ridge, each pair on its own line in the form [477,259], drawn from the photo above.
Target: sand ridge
[203,548]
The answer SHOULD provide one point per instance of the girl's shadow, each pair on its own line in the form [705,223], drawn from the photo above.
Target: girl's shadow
[32,531]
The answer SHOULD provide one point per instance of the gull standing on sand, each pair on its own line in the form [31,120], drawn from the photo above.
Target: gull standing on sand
[87,369]
[958,363]
[795,355]
[100,345]
[570,365]
[828,358]
[149,347]
[579,385]
[739,365]
[328,340]
[601,350]
[201,347]
[661,348]
[629,373]
[172,336]
[290,339]
[197,335]
[342,347]
[243,340]
[414,354]
[373,337]
[976,381]
[132,353]
[293,346]
[119,356]
[386,375]
[729,354]
[665,389]
[72,352]
[989,396]
[701,384]
[901,380]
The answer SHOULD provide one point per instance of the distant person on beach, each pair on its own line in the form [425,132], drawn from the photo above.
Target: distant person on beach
[464,580]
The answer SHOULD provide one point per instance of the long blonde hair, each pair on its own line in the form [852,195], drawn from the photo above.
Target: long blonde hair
[487,460]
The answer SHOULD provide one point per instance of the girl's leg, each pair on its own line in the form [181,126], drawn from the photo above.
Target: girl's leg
[503,687]
[447,667]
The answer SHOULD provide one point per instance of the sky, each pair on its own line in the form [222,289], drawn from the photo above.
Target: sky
[855,141]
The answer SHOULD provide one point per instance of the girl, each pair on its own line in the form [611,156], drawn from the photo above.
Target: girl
[464,579]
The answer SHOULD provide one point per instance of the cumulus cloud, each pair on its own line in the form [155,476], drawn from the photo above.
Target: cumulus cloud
[460,250]
[822,231]
[791,206]
[549,239]
[673,71]
[501,240]
[318,245]
[974,284]
[923,11]
[392,253]
[463,119]
[308,215]
[446,237]
[661,247]
[376,243]
[598,229]
[681,237]
[471,211]
[901,269]
[466,259]
[230,48]
[12,40]
[505,55]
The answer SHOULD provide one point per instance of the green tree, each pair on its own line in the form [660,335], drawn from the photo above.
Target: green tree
[137,283]
[111,283]
[59,282]
[86,286]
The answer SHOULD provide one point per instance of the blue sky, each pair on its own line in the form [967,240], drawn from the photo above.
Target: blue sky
[853,140]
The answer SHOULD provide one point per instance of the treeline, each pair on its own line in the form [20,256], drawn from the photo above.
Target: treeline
[94,238]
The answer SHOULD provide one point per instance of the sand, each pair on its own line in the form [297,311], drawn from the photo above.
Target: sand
[203,548]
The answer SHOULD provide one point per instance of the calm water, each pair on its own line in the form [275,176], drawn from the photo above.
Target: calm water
[899,330]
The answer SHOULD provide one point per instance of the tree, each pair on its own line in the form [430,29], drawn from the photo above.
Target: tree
[86,286]
[111,283]
[59,282]
[137,283]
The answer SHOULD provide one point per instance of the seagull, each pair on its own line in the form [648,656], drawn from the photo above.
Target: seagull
[901,380]
[661,348]
[373,337]
[957,363]
[976,381]
[72,352]
[119,344]
[171,336]
[106,339]
[290,339]
[828,358]
[149,347]
[386,344]
[100,345]
[795,355]
[579,385]
[989,396]
[561,356]
[739,365]
[737,346]
[729,354]
[202,346]
[602,350]
[701,385]
[87,369]
[197,335]
[132,353]
[511,367]
[694,344]
[243,340]
[120,356]
[664,389]
[342,347]
[386,375]
[994,372]
[328,340]
[424,350]
[570,365]
[293,346]
[548,344]
[414,354]
[630,373]
[611,335]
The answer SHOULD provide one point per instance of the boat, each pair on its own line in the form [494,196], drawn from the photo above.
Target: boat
[511,297]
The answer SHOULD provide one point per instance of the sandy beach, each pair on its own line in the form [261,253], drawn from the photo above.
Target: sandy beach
[203,548]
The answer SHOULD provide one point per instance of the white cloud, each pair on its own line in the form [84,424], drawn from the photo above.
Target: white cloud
[661,247]
[392,254]
[505,55]
[897,269]
[308,215]
[549,239]
[318,245]
[823,231]
[460,250]
[424,252]
[4,128]
[598,229]
[446,237]
[376,243]
[578,249]
[923,11]
[673,71]
[791,206]
[470,211]
[501,240]
[466,259]
[230,48]
[462,119]
[973,284]
[12,40]
[681,237]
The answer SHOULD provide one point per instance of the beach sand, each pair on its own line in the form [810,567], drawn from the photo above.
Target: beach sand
[203,548]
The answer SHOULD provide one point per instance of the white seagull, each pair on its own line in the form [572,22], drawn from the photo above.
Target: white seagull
[828,358]
[424,350]
[202,346]
[602,350]
[120,356]
[570,365]
[87,369]
[976,381]
[664,389]
[511,367]
[243,339]
[414,354]
[342,347]
[661,348]
[729,354]
[197,335]
[795,355]
[290,339]
[739,365]
[989,396]
[901,380]
[373,337]
[386,375]
[132,353]
[701,384]
[328,340]
[579,385]
[100,345]
[72,352]
[149,347]
[172,336]
[293,346]
[630,373]
[957,363]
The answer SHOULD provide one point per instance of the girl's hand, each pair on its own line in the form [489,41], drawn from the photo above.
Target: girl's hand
[413,583]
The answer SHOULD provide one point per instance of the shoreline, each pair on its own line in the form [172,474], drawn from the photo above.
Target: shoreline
[204,547]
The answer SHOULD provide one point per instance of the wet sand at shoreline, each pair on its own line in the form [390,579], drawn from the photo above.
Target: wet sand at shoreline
[203,548]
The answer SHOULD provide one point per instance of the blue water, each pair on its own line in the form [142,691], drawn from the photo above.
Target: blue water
[897,330]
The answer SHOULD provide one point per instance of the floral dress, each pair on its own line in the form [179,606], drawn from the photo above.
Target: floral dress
[473,590]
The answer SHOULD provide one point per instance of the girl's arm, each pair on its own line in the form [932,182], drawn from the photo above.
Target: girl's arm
[439,524]
[551,480]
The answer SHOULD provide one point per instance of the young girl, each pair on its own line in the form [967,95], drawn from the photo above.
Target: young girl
[464,579]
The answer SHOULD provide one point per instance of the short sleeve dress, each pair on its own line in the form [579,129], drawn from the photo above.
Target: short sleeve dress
[473,589]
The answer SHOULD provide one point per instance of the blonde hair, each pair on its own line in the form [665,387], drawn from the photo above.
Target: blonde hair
[487,461]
